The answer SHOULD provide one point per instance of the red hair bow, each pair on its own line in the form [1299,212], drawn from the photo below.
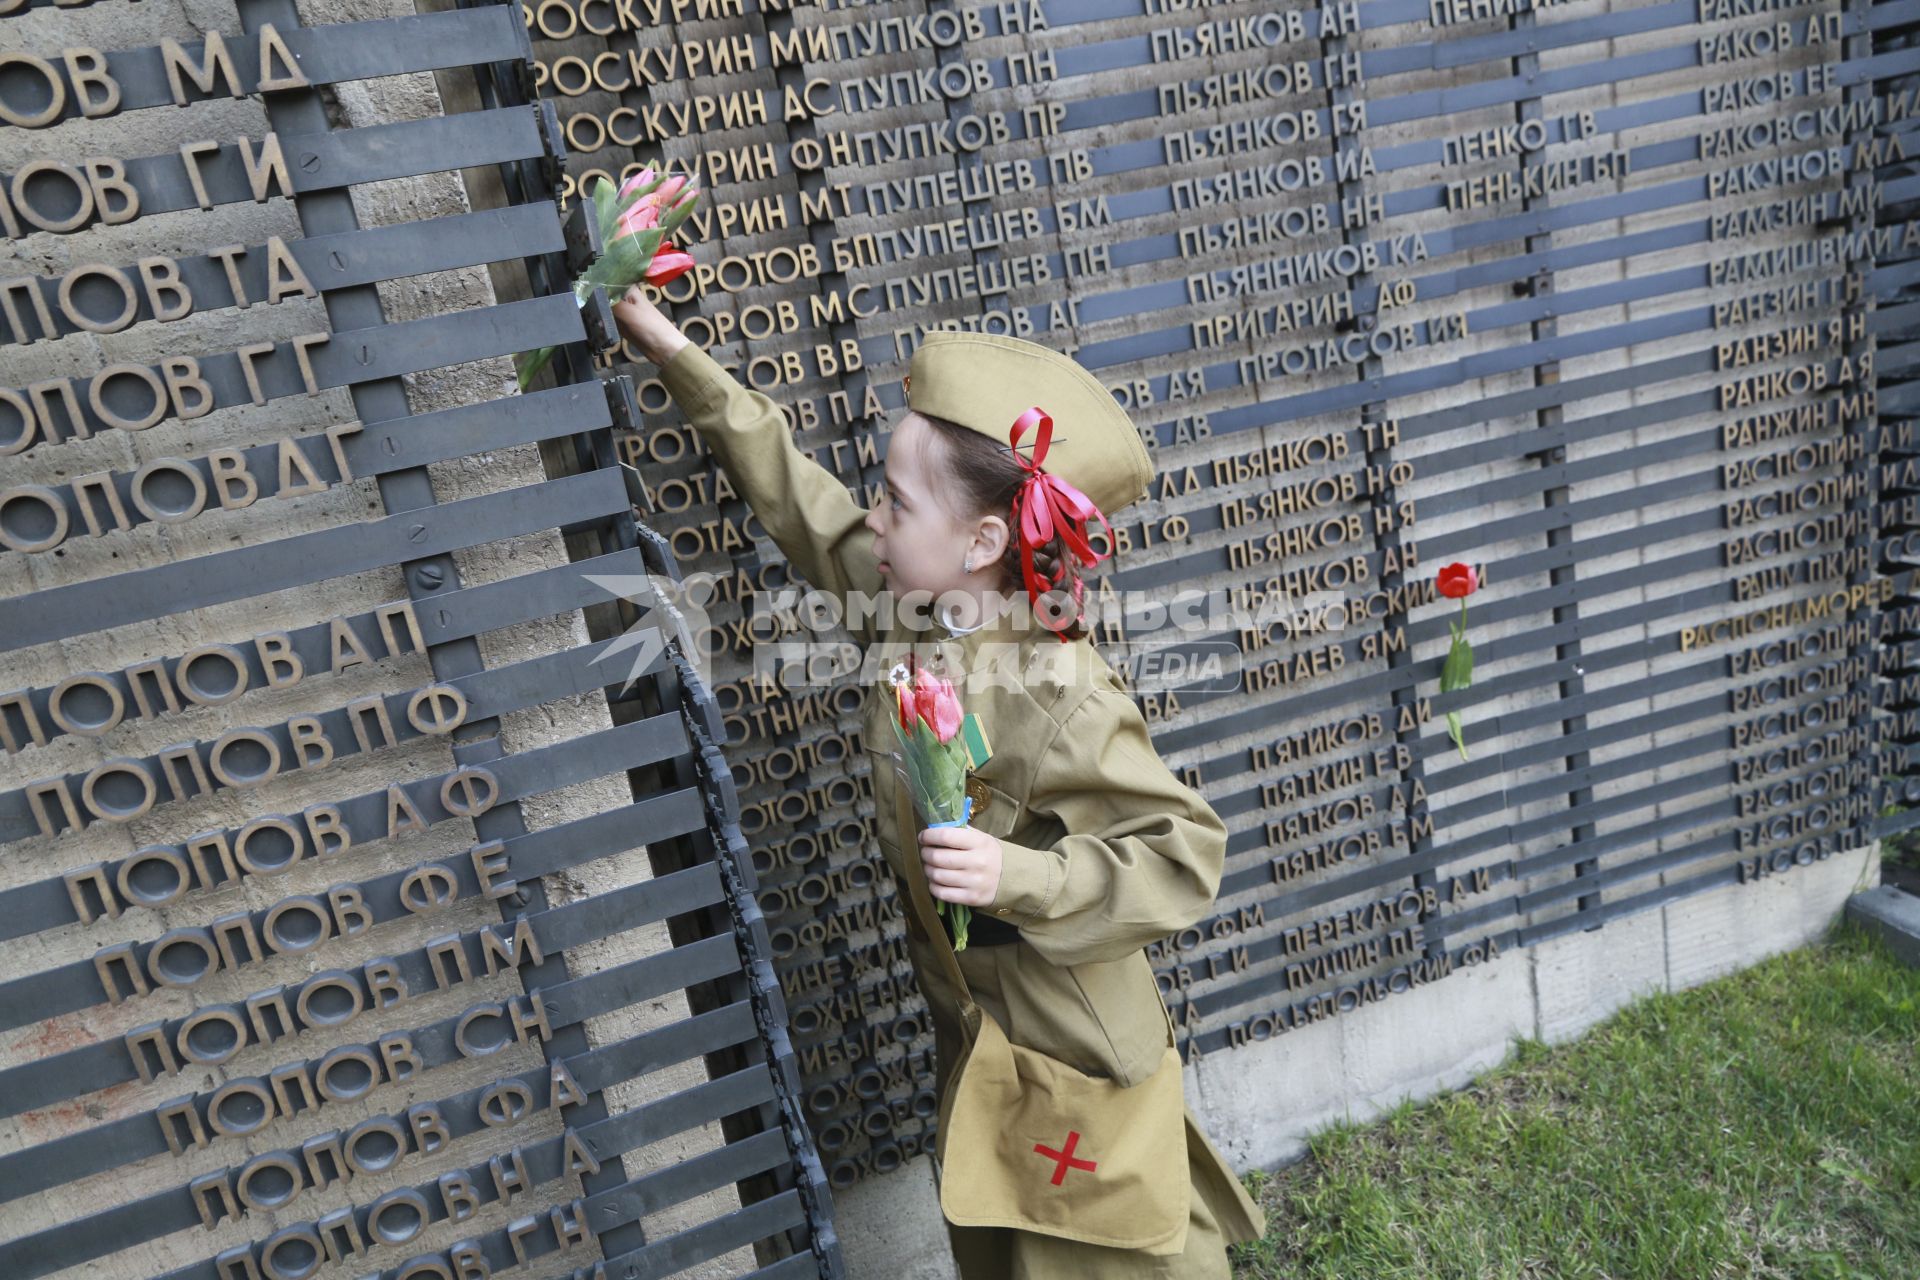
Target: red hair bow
[1046,505]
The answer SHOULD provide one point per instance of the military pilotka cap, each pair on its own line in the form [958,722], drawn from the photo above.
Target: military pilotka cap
[985,382]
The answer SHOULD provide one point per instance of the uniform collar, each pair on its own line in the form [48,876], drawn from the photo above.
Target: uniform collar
[998,641]
[995,636]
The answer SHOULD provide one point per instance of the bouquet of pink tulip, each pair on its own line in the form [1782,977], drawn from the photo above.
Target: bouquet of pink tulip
[635,220]
[934,758]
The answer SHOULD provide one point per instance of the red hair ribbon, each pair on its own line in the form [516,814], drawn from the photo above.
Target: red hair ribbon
[1046,505]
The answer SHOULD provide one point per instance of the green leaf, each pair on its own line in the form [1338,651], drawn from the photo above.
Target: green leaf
[680,211]
[1453,731]
[529,364]
[606,208]
[1457,671]
[961,915]
[626,259]
[936,771]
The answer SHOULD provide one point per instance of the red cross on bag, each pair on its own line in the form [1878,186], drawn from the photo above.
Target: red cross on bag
[1064,1158]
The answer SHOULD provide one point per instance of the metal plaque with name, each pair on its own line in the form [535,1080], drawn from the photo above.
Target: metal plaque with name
[1598,298]
[376,900]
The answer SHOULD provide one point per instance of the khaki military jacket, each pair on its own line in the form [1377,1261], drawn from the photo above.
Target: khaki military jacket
[1104,849]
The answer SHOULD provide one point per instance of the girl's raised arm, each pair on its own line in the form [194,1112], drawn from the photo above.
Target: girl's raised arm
[1143,853]
[804,508]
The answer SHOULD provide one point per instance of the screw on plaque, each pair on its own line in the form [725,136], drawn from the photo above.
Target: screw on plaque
[430,576]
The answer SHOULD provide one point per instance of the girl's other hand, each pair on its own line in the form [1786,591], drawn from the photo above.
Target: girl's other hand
[962,864]
[647,327]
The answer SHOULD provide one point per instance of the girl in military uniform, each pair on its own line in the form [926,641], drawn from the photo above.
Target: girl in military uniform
[1065,1147]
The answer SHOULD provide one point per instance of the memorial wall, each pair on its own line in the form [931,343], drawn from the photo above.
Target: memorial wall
[1580,294]
[356,921]
[327,832]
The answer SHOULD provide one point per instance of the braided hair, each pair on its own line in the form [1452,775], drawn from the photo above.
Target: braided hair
[987,479]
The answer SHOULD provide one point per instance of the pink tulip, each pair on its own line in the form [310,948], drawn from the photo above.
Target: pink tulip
[935,701]
[642,217]
[668,264]
[637,181]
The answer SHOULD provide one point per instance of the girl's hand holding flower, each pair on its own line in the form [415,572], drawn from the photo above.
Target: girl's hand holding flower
[962,864]
[647,327]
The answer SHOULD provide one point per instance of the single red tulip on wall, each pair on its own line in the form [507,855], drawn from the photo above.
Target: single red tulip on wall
[1457,581]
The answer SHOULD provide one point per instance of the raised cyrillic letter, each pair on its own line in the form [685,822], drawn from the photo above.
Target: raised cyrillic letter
[285,1080]
[430,1132]
[121,955]
[212,1035]
[350,915]
[94,878]
[181,1125]
[317,1008]
[296,925]
[359,710]
[212,1198]
[311,750]
[271,1002]
[238,925]
[151,1052]
[92,492]
[20,704]
[156,876]
[37,793]
[429,888]
[385,981]
[281,664]
[184,756]
[252,1107]
[258,765]
[282,1186]
[156,672]
[326,830]
[442,949]
[399,1055]
[386,615]
[233,484]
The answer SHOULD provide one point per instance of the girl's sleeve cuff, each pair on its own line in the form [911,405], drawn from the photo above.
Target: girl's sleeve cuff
[1029,880]
[694,379]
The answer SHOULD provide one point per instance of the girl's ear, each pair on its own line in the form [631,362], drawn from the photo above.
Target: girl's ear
[991,538]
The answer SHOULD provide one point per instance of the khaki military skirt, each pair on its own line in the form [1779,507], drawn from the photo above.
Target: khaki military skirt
[1219,1208]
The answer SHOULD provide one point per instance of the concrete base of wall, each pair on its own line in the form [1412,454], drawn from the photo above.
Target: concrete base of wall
[1893,915]
[1261,1101]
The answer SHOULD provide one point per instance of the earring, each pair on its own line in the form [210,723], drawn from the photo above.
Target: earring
[966,563]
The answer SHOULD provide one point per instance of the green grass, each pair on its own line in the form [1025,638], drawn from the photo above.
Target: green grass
[1765,1125]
